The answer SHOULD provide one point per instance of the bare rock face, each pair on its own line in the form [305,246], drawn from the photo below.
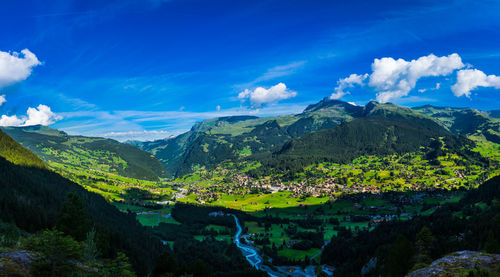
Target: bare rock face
[459,262]
[15,263]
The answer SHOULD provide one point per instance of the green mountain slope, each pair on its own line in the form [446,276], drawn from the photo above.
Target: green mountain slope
[398,246]
[465,121]
[231,138]
[31,198]
[16,154]
[384,129]
[86,154]
[323,115]
[494,113]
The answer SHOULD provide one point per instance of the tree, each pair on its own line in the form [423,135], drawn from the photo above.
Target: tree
[56,253]
[118,267]
[398,257]
[165,264]
[73,219]
[491,245]
[423,243]
[90,251]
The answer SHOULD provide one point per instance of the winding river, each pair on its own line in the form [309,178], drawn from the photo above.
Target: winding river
[253,257]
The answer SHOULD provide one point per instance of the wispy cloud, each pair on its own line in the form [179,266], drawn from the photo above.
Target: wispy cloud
[274,73]
[133,124]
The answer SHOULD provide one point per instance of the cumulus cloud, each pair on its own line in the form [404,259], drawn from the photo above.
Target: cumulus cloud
[41,115]
[393,79]
[470,79]
[261,96]
[16,67]
[396,78]
[349,82]
[10,121]
[2,99]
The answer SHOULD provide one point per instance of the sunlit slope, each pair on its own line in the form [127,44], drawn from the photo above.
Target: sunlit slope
[58,150]
[16,154]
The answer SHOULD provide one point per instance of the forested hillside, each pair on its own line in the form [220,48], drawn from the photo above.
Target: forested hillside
[16,154]
[385,129]
[60,150]
[33,198]
[50,226]
[213,141]
[465,121]
[403,246]
[312,133]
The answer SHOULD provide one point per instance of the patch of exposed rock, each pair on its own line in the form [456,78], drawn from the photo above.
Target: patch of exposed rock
[459,262]
[15,263]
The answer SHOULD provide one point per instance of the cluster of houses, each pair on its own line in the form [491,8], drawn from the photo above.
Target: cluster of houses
[322,183]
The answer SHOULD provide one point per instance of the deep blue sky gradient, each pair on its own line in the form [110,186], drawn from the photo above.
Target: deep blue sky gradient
[129,66]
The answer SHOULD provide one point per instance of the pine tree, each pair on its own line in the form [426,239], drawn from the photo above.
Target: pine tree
[56,253]
[90,251]
[165,264]
[491,245]
[398,258]
[119,267]
[424,241]
[73,218]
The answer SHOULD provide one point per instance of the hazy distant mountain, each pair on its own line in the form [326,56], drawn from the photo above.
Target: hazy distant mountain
[465,121]
[87,153]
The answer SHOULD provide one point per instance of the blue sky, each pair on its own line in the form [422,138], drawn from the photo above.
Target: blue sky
[149,69]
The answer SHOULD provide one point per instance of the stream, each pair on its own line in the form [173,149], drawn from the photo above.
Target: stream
[253,257]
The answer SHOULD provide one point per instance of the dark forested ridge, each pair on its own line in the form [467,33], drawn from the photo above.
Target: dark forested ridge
[32,198]
[231,138]
[403,246]
[385,129]
[213,141]
[86,153]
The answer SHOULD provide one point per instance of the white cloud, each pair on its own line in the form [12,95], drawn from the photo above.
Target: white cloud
[469,79]
[349,82]
[42,115]
[280,71]
[2,100]
[438,85]
[260,95]
[396,78]
[16,67]
[144,135]
[10,121]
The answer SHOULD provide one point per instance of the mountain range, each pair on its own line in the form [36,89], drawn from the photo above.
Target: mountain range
[213,141]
